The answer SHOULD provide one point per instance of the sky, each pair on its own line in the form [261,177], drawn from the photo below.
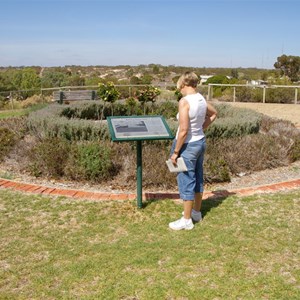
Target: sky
[215,33]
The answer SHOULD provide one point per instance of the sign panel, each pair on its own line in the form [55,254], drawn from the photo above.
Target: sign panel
[135,128]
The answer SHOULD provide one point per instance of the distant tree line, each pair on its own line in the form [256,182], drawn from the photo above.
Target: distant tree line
[35,77]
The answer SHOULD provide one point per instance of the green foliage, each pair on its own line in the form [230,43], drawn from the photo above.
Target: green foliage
[26,79]
[50,122]
[240,140]
[77,122]
[280,95]
[133,106]
[108,92]
[232,122]
[216,169]
[286,135]
[220,79]
[178,95]
[289,66]
[294,152]
[49,157]
[90,161]
[7,141]
[146,79]
[53,79]
[168,109]
[56,157]
[234,73]
[149,93]
[75,80]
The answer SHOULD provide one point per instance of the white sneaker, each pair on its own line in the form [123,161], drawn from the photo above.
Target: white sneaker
[182,224]
[196,215]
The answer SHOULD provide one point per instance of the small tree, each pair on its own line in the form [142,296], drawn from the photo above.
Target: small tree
[148,94]
[108,92]
[132,104]
[289,66]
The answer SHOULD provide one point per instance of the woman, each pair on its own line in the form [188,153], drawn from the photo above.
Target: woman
[195,115]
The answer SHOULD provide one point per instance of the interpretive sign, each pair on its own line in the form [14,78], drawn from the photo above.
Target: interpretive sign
[138,128]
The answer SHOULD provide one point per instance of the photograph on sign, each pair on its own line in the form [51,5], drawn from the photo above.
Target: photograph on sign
[139,127]
[131,126]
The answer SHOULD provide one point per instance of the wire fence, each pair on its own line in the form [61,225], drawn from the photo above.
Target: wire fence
[254,93]
[223,92]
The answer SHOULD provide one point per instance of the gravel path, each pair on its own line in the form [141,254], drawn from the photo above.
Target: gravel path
[243,181]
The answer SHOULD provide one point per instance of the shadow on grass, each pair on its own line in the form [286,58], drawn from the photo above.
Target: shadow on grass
[215,199]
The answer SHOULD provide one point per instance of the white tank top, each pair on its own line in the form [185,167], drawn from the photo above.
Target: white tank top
[197,113]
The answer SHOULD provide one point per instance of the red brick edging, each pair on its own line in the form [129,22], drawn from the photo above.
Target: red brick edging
[80,194]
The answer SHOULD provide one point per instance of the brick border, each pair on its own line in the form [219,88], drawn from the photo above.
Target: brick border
[81,194]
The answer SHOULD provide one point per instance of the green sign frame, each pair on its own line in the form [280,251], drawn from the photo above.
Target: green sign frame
[139,128]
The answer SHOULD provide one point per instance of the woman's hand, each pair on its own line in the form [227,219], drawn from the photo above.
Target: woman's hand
[174,157]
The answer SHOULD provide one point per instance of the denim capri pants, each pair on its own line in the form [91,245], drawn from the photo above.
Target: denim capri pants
[191,181]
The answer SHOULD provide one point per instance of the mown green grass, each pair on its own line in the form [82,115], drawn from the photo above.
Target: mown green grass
[20,112]
[57,248]
[12,113]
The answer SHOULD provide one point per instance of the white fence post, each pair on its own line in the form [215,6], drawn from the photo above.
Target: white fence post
[234,94]
[264,94]
[208,93]
[296,94]
[11,100]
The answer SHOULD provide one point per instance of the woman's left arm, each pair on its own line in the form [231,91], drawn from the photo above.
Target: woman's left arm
[184,121]
[211,115]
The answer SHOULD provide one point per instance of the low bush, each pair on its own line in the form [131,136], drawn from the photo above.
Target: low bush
[18,125]
[240,141]
[49,157]
[48,122]
[90,161]
[7,141]
[34,100]
[83,121]
[233,122]
[56,157]
[287,135]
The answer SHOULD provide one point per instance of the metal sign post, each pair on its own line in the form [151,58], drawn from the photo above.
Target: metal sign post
[139,174]
[139,128]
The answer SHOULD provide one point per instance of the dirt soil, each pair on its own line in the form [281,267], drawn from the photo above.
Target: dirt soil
[290,112]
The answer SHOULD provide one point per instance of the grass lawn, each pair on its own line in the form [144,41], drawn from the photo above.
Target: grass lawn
[20,112]
[12,113]
[57,248]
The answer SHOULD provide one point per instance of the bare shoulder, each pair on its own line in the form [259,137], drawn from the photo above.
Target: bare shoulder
[183,103]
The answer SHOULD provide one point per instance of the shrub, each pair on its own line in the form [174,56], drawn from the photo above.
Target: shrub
[7,141]
[49,157]
[287,135]
[15,124]
[280,95]
[294,153]
[49,122]
[240,140]
[90,161]
[232,122]
[216,169]
[108,92]
[35,99]
[149,93]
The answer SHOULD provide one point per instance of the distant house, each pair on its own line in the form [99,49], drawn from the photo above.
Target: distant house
[204,78]
[258,82]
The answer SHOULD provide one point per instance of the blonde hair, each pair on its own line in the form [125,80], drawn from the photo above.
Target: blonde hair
[188,79]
